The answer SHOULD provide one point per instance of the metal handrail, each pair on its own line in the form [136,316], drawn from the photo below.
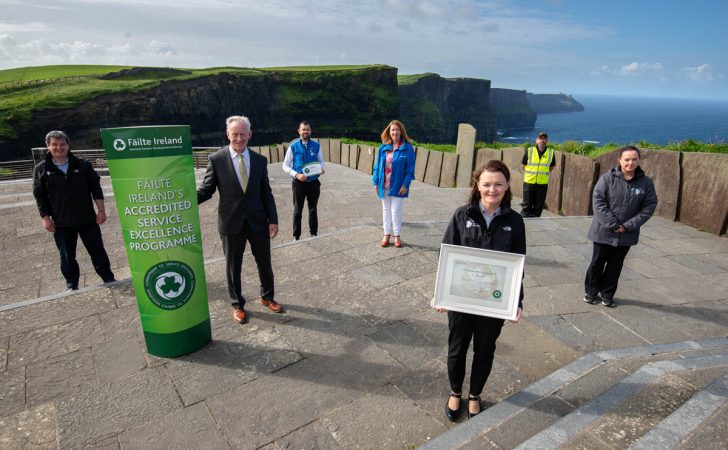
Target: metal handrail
[23,169]
[16,170]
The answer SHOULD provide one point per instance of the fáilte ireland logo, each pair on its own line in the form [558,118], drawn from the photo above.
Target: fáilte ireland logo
[169,284]
[119,145]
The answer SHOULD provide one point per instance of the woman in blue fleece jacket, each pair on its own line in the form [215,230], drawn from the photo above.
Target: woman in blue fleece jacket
[394,170]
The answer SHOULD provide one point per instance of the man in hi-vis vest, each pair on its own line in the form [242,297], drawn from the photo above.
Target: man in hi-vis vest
[537,163]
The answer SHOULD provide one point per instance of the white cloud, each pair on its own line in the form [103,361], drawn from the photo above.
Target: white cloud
[45,51]
[25,27]
[639,68]
[161,48]
[633,69]
[703,72]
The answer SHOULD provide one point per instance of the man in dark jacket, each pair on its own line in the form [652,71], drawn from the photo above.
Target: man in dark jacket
[624,199]
[64,186]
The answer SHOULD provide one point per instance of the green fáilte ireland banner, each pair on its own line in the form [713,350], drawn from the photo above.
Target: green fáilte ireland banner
[153,178]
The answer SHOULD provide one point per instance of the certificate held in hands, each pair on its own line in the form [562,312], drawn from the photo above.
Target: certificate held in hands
[479,281]
[311,169]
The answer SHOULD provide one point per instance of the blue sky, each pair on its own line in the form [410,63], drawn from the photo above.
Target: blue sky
[653,48]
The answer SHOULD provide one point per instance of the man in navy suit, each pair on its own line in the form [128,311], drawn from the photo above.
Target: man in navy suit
[246,212]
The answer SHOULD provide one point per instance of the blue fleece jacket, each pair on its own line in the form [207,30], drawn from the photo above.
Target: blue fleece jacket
[403,169]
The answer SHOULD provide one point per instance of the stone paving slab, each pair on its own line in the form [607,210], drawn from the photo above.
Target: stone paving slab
[32,428]
[532,420]
[94,415]
[713,433]
[192,427]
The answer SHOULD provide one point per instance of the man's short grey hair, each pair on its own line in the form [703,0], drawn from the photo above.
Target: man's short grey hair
[57,134]
[242,119]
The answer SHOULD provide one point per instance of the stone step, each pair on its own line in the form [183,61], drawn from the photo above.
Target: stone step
[682,424]
[620,414]
[557,408]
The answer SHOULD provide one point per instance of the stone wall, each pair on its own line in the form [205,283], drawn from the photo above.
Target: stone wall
[512,158]
[703,191]
[691,187]
[556,180]
[434,167]
[579,177]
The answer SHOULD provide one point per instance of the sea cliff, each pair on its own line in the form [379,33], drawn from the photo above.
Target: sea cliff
[432,107]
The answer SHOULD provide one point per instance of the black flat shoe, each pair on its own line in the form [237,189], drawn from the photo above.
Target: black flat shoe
[473,399]
[452,415]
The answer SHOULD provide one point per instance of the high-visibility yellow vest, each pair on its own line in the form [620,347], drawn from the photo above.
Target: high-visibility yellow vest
[537,169]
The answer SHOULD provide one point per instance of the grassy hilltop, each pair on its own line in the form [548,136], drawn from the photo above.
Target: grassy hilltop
[28,89]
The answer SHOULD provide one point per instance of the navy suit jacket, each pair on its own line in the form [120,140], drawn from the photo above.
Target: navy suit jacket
[256,206]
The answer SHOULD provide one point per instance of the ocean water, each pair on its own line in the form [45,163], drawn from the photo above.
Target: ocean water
[629,120]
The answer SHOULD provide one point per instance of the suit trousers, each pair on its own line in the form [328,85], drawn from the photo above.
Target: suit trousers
[308,191]
[233,246]
[534,198]
[602,276]
[484,331]
[67,239]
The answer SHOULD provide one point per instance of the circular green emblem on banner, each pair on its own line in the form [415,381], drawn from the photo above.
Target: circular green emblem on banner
[307,169]
[497,294]
[169,284]
[119,145]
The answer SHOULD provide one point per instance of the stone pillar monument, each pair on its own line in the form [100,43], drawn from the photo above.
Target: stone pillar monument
[466,154]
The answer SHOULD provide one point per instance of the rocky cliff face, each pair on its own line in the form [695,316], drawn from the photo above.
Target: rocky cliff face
[553,103]
[432,107]
[354,103]
[512,109]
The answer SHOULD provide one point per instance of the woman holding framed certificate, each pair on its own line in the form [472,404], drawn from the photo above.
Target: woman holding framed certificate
[394,170]
[485,222]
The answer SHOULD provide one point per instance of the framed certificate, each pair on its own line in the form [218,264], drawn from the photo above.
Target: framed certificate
[310,169]
[478,281]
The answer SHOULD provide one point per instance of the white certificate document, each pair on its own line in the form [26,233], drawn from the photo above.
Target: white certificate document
[310,169]
[479,281]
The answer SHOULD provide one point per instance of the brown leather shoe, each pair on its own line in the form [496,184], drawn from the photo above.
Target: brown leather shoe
[272,305]
[239,315]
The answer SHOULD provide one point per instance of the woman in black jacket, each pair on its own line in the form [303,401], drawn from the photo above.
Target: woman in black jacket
[488,222]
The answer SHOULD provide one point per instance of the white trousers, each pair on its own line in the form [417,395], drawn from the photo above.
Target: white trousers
[392,214]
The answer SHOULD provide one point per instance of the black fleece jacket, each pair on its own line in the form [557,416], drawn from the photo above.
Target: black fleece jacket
[67,198]
[506,233]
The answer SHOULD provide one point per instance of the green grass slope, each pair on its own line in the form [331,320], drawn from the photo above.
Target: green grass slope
[22,74]
[28,89]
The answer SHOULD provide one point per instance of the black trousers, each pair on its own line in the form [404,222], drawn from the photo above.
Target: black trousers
[67,239]
[534,198]
[233,245]
[308,191]
[484,331]
[602,276]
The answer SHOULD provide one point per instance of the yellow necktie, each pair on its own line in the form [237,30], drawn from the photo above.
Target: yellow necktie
[243,172]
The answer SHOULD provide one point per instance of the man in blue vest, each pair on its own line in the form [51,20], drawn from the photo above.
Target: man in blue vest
[304,162]
[537,162]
